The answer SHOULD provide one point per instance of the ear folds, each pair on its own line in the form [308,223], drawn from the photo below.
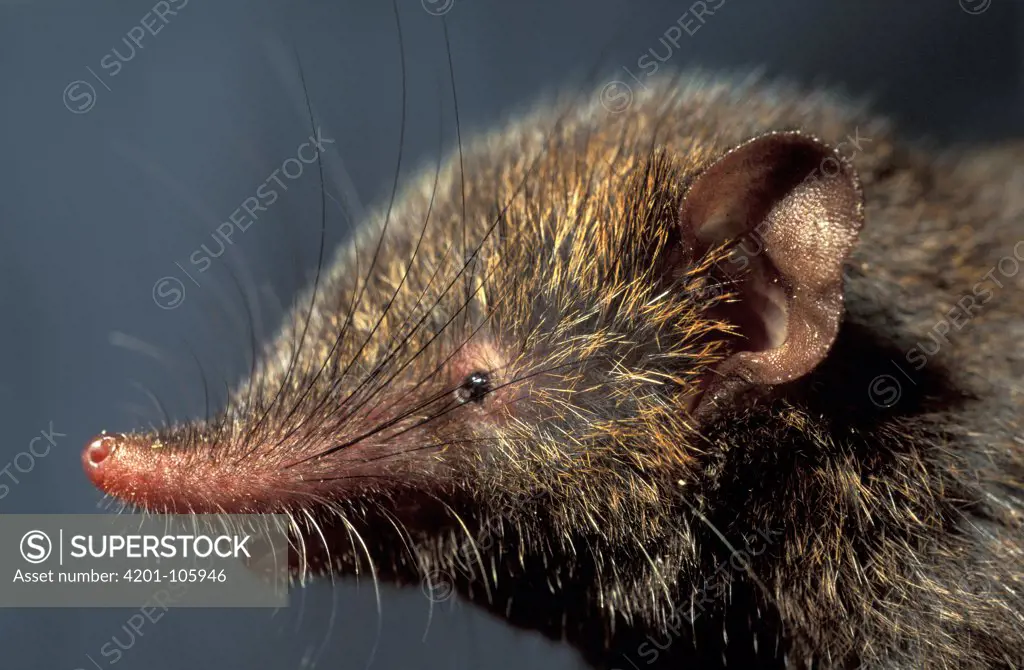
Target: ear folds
[794,209]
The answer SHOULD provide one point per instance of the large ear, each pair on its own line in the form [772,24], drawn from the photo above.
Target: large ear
[795,208]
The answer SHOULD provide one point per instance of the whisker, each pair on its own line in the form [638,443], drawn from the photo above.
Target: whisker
[400,418]
[458,134]
[391,202]
[319,266]
[387,307]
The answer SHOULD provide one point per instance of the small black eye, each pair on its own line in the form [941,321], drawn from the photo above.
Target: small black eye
[474,387]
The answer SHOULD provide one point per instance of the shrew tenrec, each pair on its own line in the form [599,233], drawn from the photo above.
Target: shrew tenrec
[729,375]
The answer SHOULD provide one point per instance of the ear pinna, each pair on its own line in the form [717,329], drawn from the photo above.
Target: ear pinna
[794,209]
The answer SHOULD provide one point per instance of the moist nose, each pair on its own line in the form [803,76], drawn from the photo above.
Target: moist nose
[96,452]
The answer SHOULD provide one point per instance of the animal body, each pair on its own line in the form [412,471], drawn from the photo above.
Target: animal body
[727,376]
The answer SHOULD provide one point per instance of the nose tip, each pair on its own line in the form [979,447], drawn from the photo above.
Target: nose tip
[96,452]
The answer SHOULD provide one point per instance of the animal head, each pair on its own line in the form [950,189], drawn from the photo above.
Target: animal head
[536,335]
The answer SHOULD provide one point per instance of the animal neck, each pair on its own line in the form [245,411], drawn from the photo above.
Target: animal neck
[722,620]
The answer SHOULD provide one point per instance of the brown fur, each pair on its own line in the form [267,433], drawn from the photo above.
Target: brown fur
[593,506]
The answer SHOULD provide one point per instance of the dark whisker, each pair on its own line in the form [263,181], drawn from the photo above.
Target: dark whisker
[319,266]
[458,134]
[391,422]
[326,396]
[394,193]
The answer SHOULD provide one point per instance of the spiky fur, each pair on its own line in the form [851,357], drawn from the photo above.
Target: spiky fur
[592,507]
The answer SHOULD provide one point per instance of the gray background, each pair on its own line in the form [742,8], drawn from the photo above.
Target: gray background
[96,207]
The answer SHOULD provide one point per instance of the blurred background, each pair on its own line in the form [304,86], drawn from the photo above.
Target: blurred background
[111,179]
